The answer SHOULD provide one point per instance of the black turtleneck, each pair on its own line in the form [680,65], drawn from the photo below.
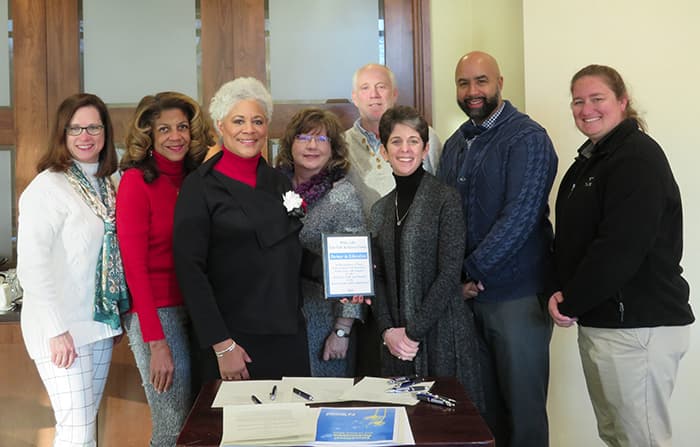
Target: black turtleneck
[406,187]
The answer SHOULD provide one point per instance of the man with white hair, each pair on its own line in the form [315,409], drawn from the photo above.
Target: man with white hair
[373,92]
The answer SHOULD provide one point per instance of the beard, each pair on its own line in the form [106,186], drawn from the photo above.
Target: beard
[483,112]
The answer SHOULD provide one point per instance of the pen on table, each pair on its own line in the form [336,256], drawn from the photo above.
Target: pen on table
[435,399]
[401,379]
[273,393]
[302,394]
[408,382]
[407,389]
[255,399]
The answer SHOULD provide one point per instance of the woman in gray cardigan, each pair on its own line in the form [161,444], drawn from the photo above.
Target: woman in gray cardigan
[314,156]
[418,246]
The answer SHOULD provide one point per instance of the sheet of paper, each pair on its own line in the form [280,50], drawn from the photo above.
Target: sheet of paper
[347,265]
[239,392]
[352,435]
[323,389]
[373,389]
[282,424]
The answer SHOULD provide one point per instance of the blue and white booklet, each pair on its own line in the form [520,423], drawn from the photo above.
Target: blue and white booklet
[353,426]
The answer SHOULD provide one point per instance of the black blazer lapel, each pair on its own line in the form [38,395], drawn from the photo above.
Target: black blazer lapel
[263,206]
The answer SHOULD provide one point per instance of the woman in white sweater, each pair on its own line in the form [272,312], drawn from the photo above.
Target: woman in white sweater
[69,265]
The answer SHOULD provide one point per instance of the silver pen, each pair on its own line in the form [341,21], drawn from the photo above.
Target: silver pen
[436,399]
[407,389]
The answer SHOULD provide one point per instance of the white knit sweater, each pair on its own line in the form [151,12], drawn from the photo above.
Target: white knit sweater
[58,243]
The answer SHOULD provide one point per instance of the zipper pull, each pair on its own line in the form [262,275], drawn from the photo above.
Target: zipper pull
[621,308]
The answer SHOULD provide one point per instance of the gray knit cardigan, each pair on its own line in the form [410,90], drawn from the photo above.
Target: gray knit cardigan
[431,306]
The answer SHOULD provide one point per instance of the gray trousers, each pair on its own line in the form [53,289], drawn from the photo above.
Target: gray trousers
[514,354]
[168,409]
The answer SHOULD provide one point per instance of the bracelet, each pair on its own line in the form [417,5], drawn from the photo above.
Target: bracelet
[229,349]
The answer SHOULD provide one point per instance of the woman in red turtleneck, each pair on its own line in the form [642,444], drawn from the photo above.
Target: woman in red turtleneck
[237,251]
[167,139]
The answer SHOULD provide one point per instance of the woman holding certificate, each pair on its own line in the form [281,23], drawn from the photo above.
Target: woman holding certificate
[418,244]
[313,155]
[237,250]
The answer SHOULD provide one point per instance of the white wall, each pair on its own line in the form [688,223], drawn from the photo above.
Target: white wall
[654,47]
[455,31]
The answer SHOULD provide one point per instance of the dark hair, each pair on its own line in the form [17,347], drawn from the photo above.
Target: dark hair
[308,120]
[402,115]
[58,157]
[139,140]
[614,81]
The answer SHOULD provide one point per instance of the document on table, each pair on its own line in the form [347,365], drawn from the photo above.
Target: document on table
[363,426]
[373,389]
[281,424]
[297,424]
[322,389]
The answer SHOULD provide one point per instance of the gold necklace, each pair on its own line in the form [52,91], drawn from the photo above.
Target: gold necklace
[396,208]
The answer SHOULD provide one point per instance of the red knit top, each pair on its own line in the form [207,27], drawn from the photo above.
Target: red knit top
[245,170]
[145,214]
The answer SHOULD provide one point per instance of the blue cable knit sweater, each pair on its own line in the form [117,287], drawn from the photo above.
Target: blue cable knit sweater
[504,180]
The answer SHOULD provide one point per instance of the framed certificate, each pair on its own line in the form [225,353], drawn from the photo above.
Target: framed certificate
[347,265]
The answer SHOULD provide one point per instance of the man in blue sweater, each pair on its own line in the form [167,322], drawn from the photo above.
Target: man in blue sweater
[503,165]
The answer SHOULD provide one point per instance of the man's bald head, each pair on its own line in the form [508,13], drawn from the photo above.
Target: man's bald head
[479,83]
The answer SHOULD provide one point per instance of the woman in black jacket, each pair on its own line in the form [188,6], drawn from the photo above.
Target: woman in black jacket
[618,246]
[237,250]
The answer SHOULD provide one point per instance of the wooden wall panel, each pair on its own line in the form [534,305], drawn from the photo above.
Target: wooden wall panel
[29,87]
[124,418]
[26,417]
[398,33]
[62,52]
[407,46]
[7,127]
[232,42]
[422,72]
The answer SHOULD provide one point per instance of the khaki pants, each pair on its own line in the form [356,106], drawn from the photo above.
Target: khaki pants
[630,374]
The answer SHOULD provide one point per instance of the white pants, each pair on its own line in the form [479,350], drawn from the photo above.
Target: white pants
[75,392]
[630,374]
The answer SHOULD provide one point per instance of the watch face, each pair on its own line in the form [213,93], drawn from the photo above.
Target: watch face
[341,333]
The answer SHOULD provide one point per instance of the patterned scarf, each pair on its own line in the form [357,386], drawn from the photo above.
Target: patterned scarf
[317,186]
[111,295]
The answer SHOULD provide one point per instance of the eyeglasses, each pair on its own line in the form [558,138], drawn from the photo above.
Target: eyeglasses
[92,129]
[306,138]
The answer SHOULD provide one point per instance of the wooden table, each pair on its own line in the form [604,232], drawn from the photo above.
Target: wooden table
[432,425]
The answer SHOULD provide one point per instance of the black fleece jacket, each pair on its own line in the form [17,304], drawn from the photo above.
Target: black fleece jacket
[619,235]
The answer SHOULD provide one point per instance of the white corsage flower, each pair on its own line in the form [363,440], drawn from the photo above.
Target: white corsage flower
[294,204]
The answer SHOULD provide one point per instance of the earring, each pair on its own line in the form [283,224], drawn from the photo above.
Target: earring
[150,153]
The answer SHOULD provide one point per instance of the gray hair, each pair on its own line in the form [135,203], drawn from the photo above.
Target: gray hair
[355,75]
[233,92]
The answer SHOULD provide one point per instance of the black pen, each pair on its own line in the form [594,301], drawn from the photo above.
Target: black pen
[302,394]
[273,393]
[255,399]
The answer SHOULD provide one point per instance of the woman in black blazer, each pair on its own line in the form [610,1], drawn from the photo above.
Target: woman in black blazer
[237,251]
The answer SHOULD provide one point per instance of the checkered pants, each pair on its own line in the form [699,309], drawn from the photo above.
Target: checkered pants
[75,392]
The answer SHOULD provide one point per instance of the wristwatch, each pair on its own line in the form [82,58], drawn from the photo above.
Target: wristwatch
[342,333]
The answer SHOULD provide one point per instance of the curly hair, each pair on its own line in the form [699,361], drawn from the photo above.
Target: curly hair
[233,92]
[614,81]
[139,140]
[58,157]
[309,120]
